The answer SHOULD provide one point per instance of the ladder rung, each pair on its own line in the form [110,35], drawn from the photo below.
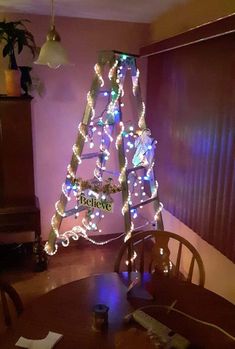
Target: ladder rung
[73,211]
[144,203]
[134,169]
[89,156]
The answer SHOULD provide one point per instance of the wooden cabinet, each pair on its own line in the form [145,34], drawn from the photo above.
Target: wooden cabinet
[19,208]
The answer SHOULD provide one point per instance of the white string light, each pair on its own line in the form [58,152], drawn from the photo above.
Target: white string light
[112,69]
[82,131]
[48,250]
[59,210]
[158,211]
[90,102]
[119,136]
[97,69]
[71,173]
[54,225]
[76,153]
[135,81]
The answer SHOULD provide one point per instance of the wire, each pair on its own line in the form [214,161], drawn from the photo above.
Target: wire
[52,13]
[171,308]
[102,242]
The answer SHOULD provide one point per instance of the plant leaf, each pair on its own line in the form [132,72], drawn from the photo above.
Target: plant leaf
[6,50]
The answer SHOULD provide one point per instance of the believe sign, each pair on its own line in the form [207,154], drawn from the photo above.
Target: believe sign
[96,203]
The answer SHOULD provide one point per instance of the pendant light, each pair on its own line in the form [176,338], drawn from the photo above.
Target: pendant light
[52,52]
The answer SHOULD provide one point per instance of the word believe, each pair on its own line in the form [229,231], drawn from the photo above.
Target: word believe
[96,203]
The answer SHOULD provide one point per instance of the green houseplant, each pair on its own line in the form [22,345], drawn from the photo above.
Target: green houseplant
[14,36]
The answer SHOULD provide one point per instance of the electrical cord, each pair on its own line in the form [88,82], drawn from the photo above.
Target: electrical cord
[171,308]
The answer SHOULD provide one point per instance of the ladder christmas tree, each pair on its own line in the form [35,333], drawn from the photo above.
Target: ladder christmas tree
[101,135]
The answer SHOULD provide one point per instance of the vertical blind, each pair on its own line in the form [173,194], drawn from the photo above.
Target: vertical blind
[191,113]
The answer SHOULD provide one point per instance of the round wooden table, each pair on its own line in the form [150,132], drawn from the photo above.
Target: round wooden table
[68,310]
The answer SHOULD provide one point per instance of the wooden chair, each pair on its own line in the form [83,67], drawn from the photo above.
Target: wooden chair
[161,252]
[9,293]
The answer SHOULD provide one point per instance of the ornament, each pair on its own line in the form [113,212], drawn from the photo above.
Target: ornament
[145,146]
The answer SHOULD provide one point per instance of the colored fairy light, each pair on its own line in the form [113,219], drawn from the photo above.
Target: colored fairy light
[135,215]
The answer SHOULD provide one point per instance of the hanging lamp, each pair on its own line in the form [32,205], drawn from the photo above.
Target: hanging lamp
[52,52]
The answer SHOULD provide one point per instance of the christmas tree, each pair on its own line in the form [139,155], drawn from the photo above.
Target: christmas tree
[89,197]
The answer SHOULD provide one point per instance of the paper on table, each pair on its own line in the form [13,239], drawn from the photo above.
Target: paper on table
[46,343]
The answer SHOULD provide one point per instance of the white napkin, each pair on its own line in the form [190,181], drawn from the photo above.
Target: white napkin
[47,343]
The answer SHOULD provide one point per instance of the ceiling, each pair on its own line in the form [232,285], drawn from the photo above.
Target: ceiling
[143,11]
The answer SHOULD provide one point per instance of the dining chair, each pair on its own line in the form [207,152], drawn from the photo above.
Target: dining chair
[161,252]
[8,293]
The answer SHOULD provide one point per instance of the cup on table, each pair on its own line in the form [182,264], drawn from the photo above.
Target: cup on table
[100,317]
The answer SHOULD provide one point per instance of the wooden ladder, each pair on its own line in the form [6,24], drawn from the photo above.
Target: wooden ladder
[116,61]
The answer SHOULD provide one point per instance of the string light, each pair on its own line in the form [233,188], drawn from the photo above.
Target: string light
[112,70]
[150,169]
[91,104]
[48,250]
[98,72]
[71,173]
[76,153]
[158,211]
[82,131]
[59,210]
[135,81]
[119,136]
[54,225]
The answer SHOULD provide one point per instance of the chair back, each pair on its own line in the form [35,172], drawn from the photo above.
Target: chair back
[161,252]
[8,293]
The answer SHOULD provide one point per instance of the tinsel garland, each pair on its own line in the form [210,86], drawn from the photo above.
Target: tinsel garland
[106,187]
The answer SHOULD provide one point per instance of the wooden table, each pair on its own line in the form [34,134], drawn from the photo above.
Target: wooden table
[68,310]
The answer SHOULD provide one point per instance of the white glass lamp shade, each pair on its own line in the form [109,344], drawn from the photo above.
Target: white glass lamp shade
[52,53]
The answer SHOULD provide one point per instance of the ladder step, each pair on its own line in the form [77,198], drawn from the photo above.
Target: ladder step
[89,156]
[73,211]
[143,203]
[129,170]
[114,173]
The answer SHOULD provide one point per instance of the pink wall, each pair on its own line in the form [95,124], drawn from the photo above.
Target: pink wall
[57,114]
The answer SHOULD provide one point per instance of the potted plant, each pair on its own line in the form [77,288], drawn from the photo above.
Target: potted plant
[14,35]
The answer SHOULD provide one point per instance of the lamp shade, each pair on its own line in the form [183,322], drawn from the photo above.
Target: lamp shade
[52,52]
